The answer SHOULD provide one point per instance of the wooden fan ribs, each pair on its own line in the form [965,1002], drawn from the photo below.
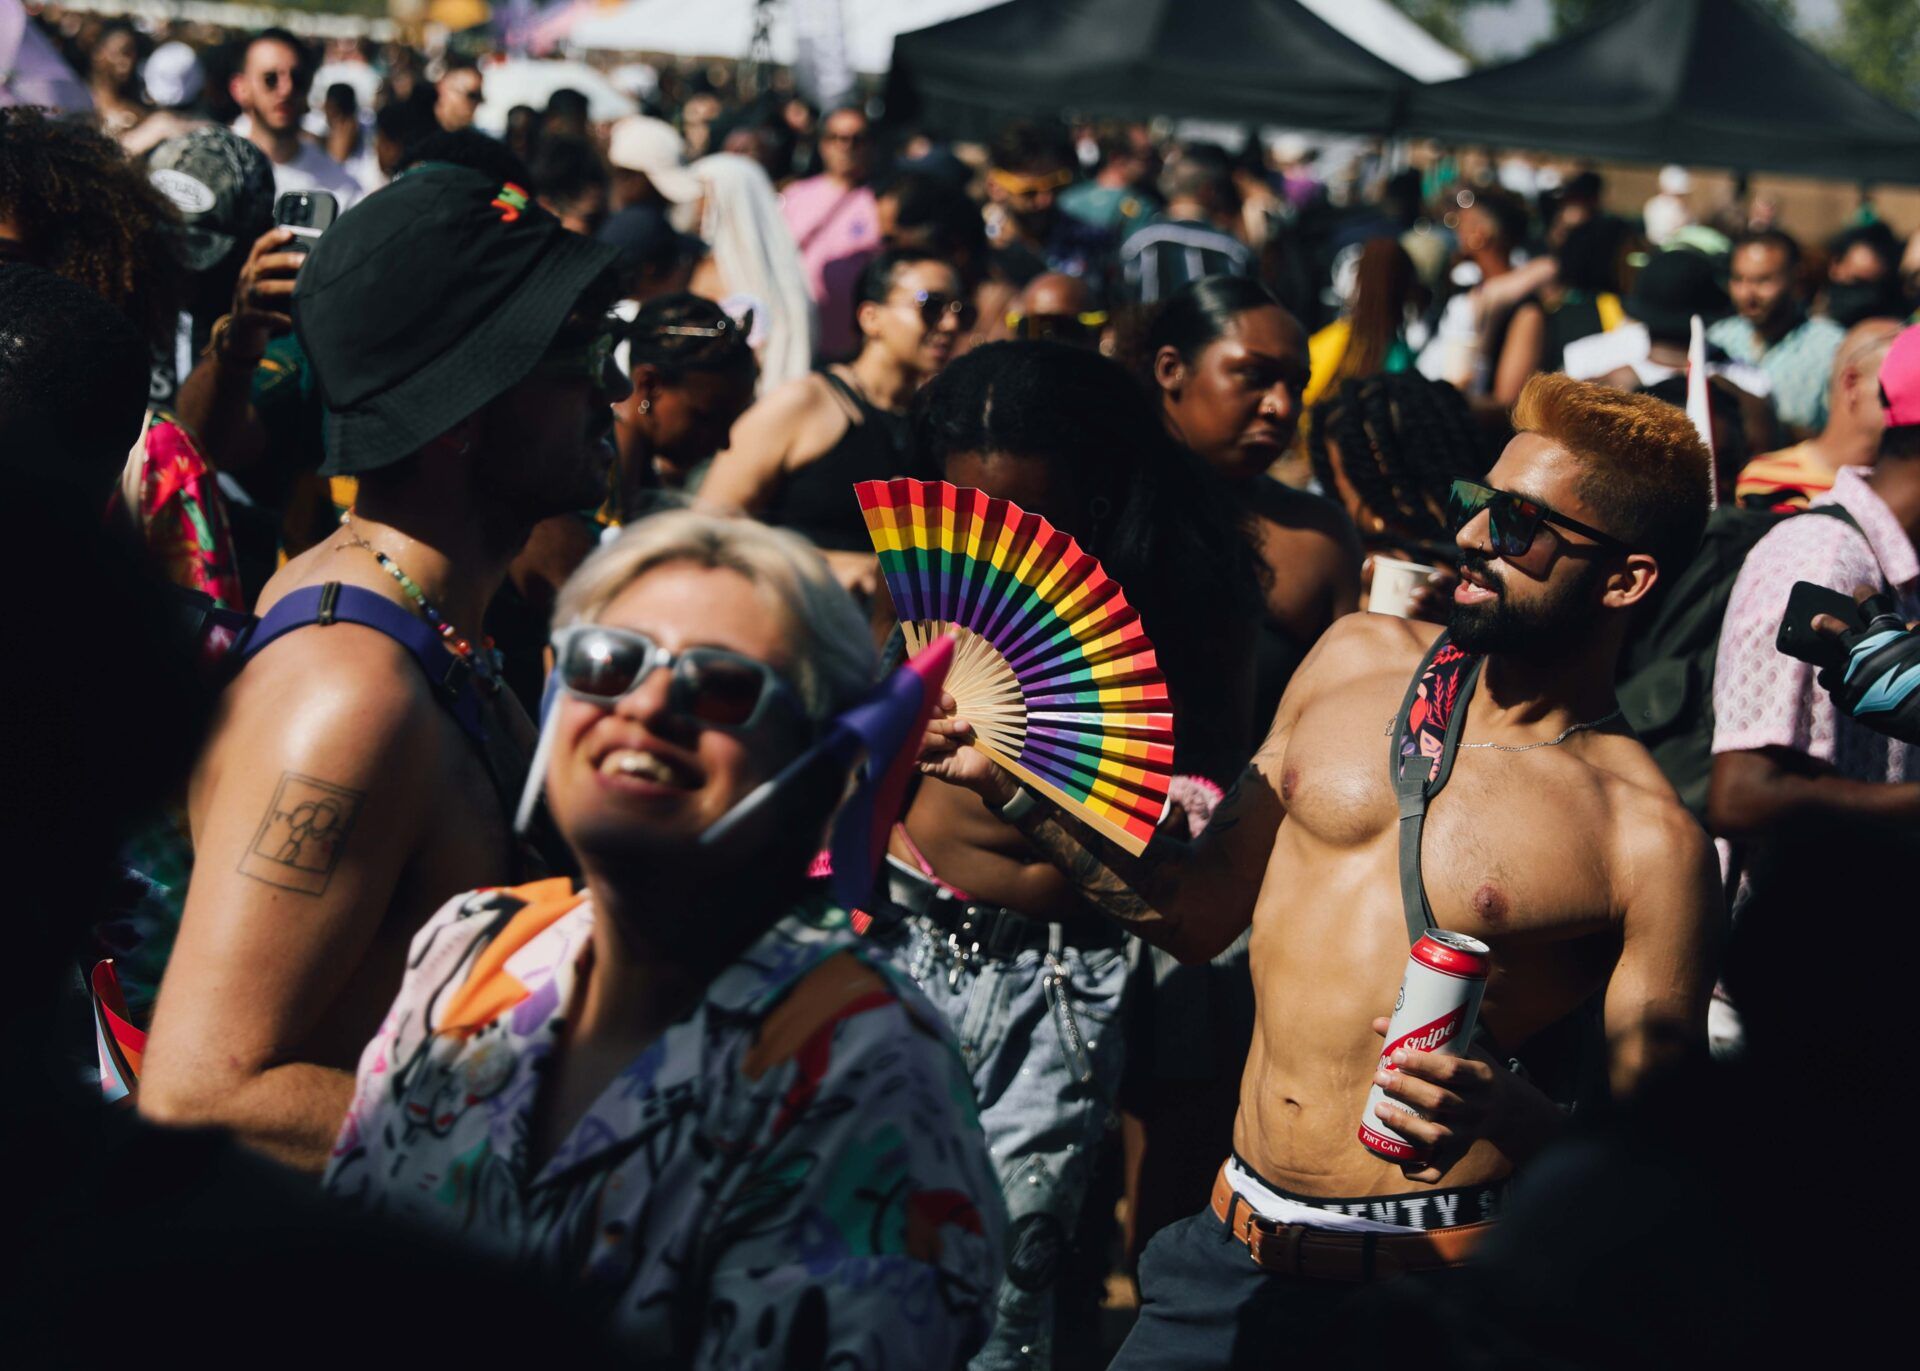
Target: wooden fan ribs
[1051,664]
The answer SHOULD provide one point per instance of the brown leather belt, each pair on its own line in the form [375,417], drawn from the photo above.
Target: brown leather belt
[1328,1254]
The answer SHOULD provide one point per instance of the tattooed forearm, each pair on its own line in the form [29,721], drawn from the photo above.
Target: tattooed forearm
[1190,898]
[302,834]
[1131,889]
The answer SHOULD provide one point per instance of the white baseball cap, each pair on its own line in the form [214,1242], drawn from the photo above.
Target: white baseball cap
[1675,181]
[652,147]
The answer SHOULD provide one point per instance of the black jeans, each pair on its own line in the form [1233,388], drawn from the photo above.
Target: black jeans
[1204,1304]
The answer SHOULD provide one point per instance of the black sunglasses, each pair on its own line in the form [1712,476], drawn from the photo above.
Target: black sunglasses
[709,685]
[933,306]
[1513,520]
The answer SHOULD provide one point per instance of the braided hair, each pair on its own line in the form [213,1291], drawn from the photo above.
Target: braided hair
[1402,440]
[89,214]
[676,334]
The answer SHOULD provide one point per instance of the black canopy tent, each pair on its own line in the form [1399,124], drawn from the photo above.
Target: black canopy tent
[1704,82]
[1254,61]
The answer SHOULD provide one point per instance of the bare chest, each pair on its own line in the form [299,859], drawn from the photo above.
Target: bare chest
[1514,847]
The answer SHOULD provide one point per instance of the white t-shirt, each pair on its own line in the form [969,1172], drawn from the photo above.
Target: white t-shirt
[310,169]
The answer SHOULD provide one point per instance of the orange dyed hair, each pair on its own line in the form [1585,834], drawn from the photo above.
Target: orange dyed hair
[1643,469]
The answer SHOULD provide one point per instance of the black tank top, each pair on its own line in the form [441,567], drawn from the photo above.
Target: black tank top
[817,500]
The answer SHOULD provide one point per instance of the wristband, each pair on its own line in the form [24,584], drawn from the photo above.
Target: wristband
[217,344]
[1021,805]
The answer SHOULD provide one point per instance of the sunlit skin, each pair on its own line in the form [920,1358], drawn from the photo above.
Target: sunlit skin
[1238,405]
[1609,889]
[696,773]
[802,421]
[349,708]
[632,786]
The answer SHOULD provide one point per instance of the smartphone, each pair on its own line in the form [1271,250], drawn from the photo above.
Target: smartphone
[1797,637]
[309,213]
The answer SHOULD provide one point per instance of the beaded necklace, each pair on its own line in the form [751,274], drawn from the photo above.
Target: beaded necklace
[485,663]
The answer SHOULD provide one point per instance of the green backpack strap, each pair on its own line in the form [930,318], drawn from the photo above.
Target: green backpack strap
[1416,784]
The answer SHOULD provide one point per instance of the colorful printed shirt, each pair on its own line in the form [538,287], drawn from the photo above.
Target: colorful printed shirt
[1787,479]
[1799,365]
[793,1174]
[182,515]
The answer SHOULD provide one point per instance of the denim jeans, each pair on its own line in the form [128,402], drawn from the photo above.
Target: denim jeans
[1041,1037]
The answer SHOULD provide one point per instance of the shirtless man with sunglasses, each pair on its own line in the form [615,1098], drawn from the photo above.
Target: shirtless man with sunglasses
[1556,841]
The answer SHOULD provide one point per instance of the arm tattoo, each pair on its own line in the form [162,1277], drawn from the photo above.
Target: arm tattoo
[302,834]
[1114,882]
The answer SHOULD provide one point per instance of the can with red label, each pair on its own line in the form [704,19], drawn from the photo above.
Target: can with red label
[1439,1002]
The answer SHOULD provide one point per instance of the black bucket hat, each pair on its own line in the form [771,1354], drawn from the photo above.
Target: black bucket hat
[428,299]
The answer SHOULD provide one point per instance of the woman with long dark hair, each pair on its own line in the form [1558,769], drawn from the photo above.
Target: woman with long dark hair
[1029,977]
[1230,365]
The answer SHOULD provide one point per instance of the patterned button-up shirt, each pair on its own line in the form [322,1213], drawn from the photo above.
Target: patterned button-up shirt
[1799,365]
[1764,698]
[794,1173]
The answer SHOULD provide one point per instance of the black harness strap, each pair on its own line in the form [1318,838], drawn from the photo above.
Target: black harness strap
[1417,779]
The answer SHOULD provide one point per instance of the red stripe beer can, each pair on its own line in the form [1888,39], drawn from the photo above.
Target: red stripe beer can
[1438,1005]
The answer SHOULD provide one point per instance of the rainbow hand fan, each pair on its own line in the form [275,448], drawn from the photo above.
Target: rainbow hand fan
[1050,663]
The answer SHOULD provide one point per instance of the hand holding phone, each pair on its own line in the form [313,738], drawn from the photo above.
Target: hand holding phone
[307,214]
[1798,637]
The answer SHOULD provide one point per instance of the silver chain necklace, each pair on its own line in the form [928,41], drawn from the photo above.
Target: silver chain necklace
[1572,729]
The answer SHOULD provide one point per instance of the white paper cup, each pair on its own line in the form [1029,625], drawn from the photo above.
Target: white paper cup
[1394,583]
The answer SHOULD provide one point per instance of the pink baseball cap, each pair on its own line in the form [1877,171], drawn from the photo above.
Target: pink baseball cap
[1900,379]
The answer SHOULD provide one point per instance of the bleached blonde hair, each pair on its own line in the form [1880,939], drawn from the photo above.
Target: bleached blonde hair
[834,660]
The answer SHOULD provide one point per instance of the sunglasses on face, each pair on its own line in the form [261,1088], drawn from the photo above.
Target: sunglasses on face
[709,685]
[1044,326]
[292,80]
[933,306]
[1512,520]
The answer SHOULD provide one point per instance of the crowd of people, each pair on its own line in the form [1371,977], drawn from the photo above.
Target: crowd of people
[436,577]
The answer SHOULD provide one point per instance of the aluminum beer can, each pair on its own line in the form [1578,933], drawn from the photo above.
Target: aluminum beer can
[1438,1006]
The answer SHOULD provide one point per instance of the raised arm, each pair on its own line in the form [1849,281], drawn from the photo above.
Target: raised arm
[311,809]
[766,441]
[1193,899]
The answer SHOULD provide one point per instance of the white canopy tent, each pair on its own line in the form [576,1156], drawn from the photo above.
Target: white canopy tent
[724,28]
[1384,31]
[520,82]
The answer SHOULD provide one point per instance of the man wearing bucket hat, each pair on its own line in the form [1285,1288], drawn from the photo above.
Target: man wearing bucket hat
[365,759]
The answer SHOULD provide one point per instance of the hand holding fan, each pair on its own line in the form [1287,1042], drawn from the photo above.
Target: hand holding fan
[1050,663]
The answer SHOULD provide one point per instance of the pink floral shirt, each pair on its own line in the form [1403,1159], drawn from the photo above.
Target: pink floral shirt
[1764,698]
